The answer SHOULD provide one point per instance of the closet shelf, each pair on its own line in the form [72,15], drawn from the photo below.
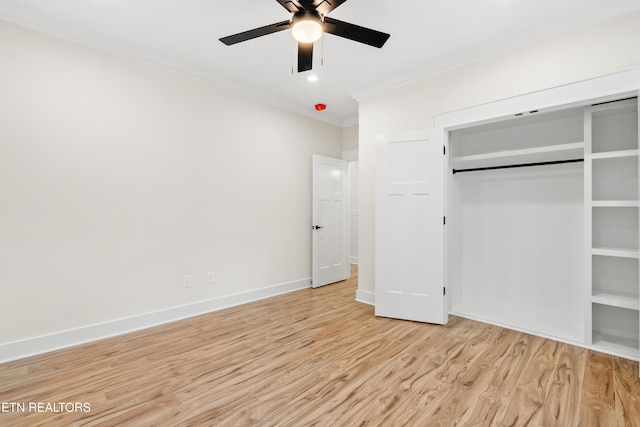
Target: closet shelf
[614,154]
[616,252]
[616,345]
[527,155]
[615,299]
[615,203]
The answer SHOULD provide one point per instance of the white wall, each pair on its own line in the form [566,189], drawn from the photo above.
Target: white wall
[117,179]
[586,53]
[350,137]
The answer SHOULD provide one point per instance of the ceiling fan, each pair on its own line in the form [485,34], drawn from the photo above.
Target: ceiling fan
[307,24]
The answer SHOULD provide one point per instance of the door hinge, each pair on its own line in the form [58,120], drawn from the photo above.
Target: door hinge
[444,220]
[444,150]
[444,291]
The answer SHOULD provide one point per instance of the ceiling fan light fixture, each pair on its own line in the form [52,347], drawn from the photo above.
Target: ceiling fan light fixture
[306,26]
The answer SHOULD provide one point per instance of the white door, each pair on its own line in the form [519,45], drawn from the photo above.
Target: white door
[330,221]
[409,260]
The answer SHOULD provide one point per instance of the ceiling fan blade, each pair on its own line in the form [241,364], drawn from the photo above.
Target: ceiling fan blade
[325,6]
[305,56]
[256,32]
[355,32]
[291,5]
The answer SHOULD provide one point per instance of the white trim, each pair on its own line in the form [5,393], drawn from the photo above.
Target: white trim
[352,121]
[366,297]
[44,344]
[600,89]
[353,260]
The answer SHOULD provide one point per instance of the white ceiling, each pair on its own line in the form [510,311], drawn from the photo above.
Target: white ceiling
[427,36]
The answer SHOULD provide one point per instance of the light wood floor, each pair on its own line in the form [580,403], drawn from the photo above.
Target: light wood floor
[317,358]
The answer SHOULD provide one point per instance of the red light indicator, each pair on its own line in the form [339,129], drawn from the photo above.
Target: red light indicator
[320,107]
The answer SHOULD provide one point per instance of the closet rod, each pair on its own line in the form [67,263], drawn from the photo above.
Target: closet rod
[555,162]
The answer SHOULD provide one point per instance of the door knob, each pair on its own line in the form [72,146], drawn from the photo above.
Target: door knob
[316,227]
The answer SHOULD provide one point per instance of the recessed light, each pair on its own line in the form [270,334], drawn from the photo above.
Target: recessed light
[312,78]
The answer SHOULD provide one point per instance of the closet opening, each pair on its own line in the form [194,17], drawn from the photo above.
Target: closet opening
[543,236]
[519,223]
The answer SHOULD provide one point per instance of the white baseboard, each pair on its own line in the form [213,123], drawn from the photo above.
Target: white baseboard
[44,344]
[353,260]
[366,297]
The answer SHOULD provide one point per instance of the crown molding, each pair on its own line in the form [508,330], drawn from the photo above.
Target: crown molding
[350,122]
[102,45]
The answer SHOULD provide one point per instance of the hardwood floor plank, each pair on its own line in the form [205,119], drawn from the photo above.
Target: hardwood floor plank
[316,357]
[627,392]
[564,395]
[466,372]
[598,397]
[501,377]
[531,391]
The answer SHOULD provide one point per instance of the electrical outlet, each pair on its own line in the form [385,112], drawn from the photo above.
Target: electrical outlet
[211,278]
[187,281]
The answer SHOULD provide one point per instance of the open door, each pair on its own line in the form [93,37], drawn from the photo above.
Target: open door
[409,260]
[330,222]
